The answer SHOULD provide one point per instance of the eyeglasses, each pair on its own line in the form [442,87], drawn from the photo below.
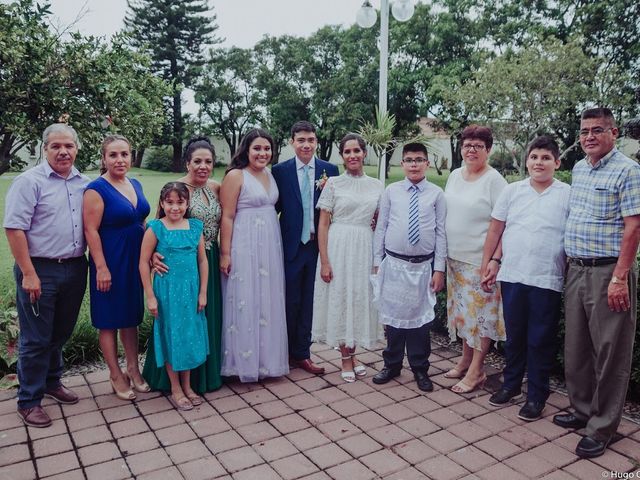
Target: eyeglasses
[417,161]
[595,131]
[473,146]
[35,308]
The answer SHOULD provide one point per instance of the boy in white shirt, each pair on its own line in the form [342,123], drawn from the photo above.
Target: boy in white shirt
[529,217]
[410,249]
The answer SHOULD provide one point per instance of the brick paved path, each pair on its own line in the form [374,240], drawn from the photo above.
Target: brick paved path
[303,426]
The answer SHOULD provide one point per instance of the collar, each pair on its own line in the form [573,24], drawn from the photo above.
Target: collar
[526,183]
[49,171]
[603,161]
[407,184]
[299,164]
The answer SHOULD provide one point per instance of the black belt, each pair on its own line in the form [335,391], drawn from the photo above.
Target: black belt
[410,258]
[592,262]
[58,260]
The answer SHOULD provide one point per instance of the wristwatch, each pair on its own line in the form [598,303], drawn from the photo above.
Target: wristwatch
[617,280]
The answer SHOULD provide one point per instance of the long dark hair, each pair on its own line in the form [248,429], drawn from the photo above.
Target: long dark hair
[194,144]
[241,158]
[181,190]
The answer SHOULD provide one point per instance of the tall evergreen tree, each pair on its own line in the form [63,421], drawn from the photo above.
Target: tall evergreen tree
[175,34]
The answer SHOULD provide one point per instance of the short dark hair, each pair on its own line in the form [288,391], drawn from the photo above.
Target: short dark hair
[480,132]
[196,143]
[352,136]
[415,147]
[181,190]
[600,112]
[544,142]
[241,158]
[302,126]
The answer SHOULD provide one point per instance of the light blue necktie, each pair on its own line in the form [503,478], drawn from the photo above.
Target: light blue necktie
[414,221]
[305,192]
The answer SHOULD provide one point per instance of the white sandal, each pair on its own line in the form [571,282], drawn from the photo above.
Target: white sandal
[360,370]
[350,375]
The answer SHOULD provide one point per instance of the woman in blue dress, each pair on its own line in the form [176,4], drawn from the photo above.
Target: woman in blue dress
[114,212]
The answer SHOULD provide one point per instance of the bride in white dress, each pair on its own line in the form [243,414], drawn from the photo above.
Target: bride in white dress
[343,314]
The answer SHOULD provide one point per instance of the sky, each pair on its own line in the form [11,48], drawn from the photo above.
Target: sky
[241,23]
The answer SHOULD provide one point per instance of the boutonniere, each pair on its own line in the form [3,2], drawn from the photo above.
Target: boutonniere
[322,181]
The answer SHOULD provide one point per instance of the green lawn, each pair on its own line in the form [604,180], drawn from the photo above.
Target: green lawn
[83,345]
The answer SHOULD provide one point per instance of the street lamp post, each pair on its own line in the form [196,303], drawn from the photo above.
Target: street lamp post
[366,17]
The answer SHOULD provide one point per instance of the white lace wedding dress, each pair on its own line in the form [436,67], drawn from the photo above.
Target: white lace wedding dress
[342,309]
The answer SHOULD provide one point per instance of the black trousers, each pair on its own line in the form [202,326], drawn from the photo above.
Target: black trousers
[418,345]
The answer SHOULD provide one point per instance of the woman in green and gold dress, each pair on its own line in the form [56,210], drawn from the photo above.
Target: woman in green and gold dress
[199,157]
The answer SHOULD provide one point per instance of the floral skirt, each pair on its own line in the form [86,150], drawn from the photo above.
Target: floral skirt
[471,312]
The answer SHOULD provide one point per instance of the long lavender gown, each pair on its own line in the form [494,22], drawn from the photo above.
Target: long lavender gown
[254,330]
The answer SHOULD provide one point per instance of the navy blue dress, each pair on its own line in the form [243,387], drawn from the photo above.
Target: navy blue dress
[121,231]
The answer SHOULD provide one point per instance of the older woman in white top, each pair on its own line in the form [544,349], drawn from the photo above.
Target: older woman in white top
[474,315]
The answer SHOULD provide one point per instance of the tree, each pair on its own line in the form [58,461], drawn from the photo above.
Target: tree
[529,91]
[174,33]
[436,52]
[281,84]
[83,81]
[228,96]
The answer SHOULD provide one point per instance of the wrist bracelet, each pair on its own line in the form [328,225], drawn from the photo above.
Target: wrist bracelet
[496,260]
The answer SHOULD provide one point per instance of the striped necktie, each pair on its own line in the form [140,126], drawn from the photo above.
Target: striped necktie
[414,221]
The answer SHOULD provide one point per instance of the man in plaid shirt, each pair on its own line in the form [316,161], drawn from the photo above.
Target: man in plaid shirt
[601,242]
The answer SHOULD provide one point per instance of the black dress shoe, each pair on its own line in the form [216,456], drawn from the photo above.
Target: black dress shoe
[589,447]
[531,411]
[385,375]
[569,420]
[424,382]
[504,396]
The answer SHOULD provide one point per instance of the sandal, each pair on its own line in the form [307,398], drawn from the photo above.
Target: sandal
[462,387]
[140,387]
[456,373]
[123,394]
[360,370]
[349,376]
[195,399]
[182,403]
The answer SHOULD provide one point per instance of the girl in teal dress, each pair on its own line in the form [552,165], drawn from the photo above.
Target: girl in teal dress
[199,158]
[177,299]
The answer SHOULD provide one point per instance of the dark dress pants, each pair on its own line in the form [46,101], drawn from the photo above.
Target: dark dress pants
[300,277]
[47,324]
[417,342]
[531,317]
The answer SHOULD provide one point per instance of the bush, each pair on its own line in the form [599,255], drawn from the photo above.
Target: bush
[158,159]
[502,160]
[563,176]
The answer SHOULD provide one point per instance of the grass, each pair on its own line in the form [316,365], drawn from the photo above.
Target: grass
[83,345]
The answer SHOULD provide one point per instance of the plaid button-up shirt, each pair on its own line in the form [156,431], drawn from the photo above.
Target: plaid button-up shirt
[601,195]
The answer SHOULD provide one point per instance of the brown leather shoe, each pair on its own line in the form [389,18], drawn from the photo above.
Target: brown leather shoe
[34,416]
[62,395]
[309,366]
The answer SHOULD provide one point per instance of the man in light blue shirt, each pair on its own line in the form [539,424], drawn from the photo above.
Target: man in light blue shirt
[43,223]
